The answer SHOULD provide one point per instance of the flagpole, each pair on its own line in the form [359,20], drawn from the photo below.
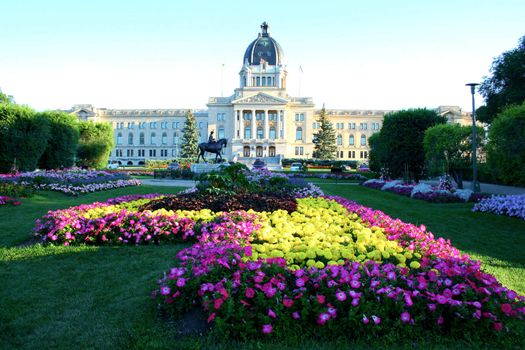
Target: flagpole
[300,79]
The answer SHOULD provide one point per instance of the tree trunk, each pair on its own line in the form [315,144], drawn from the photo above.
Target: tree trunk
[458,177]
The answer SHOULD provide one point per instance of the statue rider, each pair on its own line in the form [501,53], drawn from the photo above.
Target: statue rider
[211,139]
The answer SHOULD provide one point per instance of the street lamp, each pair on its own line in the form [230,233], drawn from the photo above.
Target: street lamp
[475,183]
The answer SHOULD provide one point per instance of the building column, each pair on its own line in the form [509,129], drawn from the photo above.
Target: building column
[266,135]
[284,125]
[278,125]
[238,121]
[254,131]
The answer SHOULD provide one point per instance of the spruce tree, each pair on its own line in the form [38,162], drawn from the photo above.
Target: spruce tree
[190,137]
[324,139]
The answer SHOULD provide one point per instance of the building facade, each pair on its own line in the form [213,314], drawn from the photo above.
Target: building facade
[259,120]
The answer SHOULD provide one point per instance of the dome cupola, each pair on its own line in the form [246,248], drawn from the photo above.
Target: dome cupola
[264,49]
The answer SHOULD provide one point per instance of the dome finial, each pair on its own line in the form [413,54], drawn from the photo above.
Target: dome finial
[264,29]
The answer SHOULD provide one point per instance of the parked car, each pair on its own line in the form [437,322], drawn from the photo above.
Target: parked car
[113,166]
[296,167]
[174,165]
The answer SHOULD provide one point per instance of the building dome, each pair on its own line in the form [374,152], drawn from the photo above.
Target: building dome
[264,49]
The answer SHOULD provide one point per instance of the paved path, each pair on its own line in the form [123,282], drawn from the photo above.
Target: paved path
[168,182]
[490,188]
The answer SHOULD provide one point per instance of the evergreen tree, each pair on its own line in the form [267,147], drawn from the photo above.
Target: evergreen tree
[324,139]
[190,137]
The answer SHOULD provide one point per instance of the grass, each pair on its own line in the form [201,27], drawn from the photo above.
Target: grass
[98,297]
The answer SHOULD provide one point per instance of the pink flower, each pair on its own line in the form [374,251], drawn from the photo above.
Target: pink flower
[211,317]
[181,282]
[506,308]
[321,299]
[432,307]
[355,302]
[341,296]
[299,282]
[441,299]
[165,290]
[267,328]
[405,317]
[250,293]
[355,284]
[287,302]
[217,303]
[498,326]
[271,313]
[296,315]
[376,319]
[323,318]
[365,319]
[440,320]
[512,295]
[332,311]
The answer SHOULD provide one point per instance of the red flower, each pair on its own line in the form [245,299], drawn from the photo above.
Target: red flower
[321,299]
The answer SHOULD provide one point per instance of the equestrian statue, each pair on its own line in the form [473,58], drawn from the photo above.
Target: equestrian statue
[212,146]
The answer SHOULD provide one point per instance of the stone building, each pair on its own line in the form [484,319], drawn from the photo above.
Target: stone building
[260,119]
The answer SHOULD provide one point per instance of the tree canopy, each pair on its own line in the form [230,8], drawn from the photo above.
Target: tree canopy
[506,147]
[61,146]
[190,137]
[324,139]
[95,144]
[506,84]
[399,146]
[448,149]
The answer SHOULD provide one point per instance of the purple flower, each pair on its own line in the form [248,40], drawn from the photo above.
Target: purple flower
[376,319]
[341,296]
[267,328]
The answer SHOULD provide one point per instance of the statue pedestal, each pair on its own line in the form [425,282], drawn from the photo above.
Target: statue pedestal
[201,168]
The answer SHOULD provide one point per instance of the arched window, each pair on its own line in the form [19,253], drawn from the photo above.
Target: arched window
[130,139]
[363,140]
[141,138]
[153,138]
[299,133]
[272,133]
[339,140]
[260,133]
[220,133]
[351,140]
[119,138]
[247,132]
[164,138]
[246,151]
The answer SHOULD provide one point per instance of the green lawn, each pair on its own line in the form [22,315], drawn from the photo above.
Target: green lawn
[98,297]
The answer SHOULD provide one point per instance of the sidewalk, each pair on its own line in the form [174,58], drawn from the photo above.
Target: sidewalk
[489,188]
[167,182]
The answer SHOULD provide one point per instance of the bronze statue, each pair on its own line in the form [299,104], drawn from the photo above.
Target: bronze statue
[212,147]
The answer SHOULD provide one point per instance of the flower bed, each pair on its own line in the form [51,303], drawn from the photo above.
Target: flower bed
[4,200]
[72,182]
[343,176]
[439,194]
[513,205]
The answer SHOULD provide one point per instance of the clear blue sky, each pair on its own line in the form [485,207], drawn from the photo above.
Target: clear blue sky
[168,54]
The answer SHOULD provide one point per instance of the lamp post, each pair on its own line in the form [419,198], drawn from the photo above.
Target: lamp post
[475,183]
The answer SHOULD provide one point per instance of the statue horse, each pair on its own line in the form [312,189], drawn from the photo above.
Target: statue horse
[213,147]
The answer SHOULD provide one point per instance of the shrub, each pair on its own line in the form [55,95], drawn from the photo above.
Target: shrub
[62,144]
[95,144]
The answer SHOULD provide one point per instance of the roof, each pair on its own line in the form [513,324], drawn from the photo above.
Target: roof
[264,49]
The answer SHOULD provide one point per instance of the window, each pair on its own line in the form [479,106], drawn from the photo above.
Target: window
[153,139]
[247,116]
[220,133]
[263,84]
[247,132]
[129,153]
[351,140]
[363,154]
[363,126]
[272,133]
[152,125]
[301,150]
[339,140]
[258,81]
[118,153]
[272,116]
[375,126]
[259,151]
[175,137]
[130,138]
[299,117]
[163,152]
[260,133]
[131,125]
[164,138]
[163,125]
[271,151]
[142,153]
[119,138]
[314,125]
[141,138]
[221,117]
[246,151]
[201,124]
[259,116]
[363,140]
[351,126]
[296,151]
[299,133]
[340,154]
[152,153]
[142,125]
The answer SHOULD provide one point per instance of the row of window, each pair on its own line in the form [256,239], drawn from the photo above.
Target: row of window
[151,153]
[263,81]
[164,137]
[351,126]
[351,140]
[259,151]
[351,154]
[272,116]
[163,125]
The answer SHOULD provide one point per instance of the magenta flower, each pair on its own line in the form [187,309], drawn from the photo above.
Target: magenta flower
[271,313]
[323,318]
[506,308]
[181,282]
[332,311]
[321,299]
[267,328]
[355,284]
[296,315]
[211,317]
[440,320]
[405,317]
[365,319]
[165,290]
[376,319]
[250,293]
[287,302]
[299,282]
[512,295]
[341,296]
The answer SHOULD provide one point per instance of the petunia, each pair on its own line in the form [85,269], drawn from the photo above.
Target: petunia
[365,319]
[165,290]
[376,319]
[323,318]
[341,296]
[405,317]
[321,299]
[271,313]
[267,328]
